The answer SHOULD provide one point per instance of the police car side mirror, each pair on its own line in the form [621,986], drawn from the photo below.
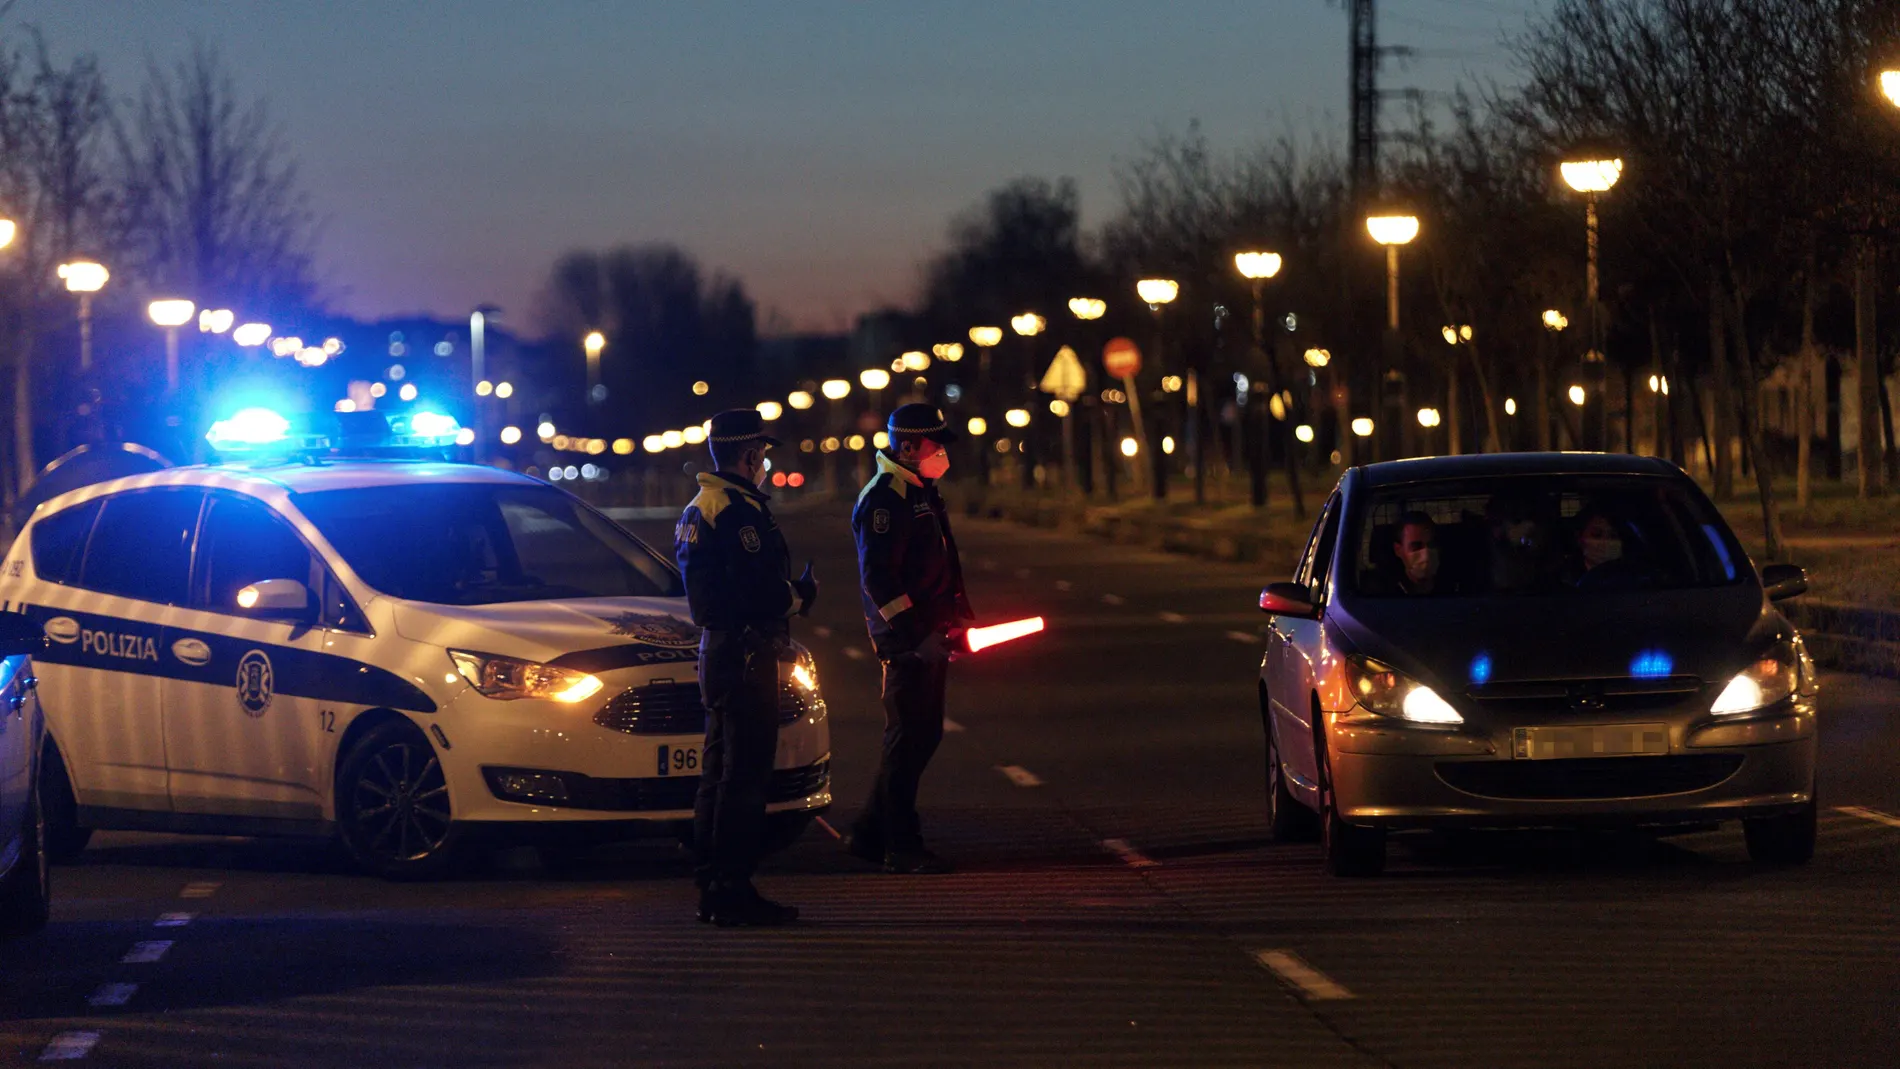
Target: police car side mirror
[1288,599]
[1784,581]
[281,599]
[19,635]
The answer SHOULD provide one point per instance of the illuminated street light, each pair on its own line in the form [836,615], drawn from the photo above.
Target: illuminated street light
[1510,406]
[510,435]
[171,314]
[1017,417]
[1087,307]
[1362,427]
[344,405]
[1303,432]
[835,389]
[1171,384]
[872,378]
[691,435]
[1454,335]
[1555,320]
[653,443]
[8,230]
[800,400]
[1890,85]
[770,410]
[1576,395]
[979,426]
[916,361]
[701,388]
[592,344]
[545,431]
[623,447]
[1167,444]
[1318,357]
[1058,407]
[1591,176]
[408,391]
[948,351]
[333,346]
[1130,447]
[1428,417]
[1029,324]
[855,443]
[1392,230]
[251,335]
[484,388]
[673,439]
[504,390]
[1157,291]
[84,278]
[985,337]
[215,320]
[1257,265]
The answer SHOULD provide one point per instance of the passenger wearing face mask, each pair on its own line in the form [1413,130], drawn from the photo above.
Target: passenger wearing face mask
[915,608]
[1416,547]
[1600,549]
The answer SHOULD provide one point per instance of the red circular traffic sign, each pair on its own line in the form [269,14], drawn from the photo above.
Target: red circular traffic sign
[1121,358]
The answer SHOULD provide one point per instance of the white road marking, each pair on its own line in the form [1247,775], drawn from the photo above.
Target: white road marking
[1314,984]
[829,830]
[144,953]
[1244,636]
[1064,585]
[1173,618]
[1020,776]
[952,726]
[202,889]
[173,920]
[111,995]
[821,631]
[1874,815]
[1114,599]
[854,653]
[1133,857]
[70,1046]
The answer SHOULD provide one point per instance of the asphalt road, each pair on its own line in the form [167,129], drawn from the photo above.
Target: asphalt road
[1116,904]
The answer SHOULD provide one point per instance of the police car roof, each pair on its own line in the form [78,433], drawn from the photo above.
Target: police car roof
[298,477]
[1430,469]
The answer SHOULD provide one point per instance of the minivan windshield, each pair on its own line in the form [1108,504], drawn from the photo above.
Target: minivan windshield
[1548,535]
[484,543]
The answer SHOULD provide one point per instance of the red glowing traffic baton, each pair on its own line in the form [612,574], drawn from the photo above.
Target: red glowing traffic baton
[977,639]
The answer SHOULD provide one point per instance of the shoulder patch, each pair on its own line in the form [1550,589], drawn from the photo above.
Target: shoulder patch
[749,538]
[881,521]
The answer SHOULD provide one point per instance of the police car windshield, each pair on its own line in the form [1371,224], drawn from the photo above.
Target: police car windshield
[483,543]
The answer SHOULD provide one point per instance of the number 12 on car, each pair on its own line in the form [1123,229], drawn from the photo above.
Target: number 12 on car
[681,759]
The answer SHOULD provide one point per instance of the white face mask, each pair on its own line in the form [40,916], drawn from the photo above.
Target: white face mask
[935,465]
[1601,550]
[1421,564]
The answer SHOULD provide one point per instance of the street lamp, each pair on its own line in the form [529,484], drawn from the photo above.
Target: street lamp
[1392,231]
[1256,268]
[251,335]
[1890,85]
[1157,291]
[171,313]
[800,400]
[1257,265]
[1590,177]
[871,378]
[770,410]
[593,344]
[835,389]
[8,230]
[1029,324]
[84,278]
[1086,308]
[215,320]
[985,337]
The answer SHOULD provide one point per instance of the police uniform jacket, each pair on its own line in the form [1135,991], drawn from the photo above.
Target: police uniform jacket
[911,579]
[736,564]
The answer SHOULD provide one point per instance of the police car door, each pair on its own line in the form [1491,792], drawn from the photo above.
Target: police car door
[103,603]
[243,729]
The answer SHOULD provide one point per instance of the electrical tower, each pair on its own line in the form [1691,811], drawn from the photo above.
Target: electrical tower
[1365,98]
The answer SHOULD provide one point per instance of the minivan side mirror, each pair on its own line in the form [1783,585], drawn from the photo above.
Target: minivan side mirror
[1288,599]
[280,599]
[1781,581]
[19,635]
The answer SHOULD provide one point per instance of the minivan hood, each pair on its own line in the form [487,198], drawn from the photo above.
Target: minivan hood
[629,631]
[1710,633]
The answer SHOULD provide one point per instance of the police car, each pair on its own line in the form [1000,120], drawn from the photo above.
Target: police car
[25,890]
[408,654]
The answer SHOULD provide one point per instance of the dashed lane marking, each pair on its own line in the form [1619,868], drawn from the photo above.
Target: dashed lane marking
[821,631]
[1173,618]
[829,830]
[111,995]
[952,726]
[1064,585]
[1865,813]
[854,653]
[146,952]
[173,920]
[1134,858]
[70,1046]
[1114,599]
[201,889]
[1315,985]
[1243,636]
[1020,776]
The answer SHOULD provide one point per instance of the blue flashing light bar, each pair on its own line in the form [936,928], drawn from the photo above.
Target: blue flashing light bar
[1652,664]
[431,430]
[1481,669]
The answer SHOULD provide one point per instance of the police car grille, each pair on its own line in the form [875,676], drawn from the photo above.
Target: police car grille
[679,792]
[669,708]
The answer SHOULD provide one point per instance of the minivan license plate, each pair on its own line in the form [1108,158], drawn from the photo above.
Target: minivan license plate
[1620,740]
[679,760]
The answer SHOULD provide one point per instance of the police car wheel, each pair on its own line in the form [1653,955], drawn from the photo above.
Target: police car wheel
[1350,849]
[392,805]
[1287,819]
[65,839]
[27,892]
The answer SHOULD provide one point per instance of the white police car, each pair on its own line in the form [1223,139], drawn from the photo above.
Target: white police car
[406,654]
[25,890]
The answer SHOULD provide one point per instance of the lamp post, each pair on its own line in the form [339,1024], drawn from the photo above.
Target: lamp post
[171,313]
[84,278]
[1591,177]
[1027,326]
[593,344]
[1085,310]
[1866,352]
[1156,293]
[1392,230]
[1256,268]
[1454,336]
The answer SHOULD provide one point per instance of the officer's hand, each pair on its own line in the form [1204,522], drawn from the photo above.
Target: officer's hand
[807,587]
[934,649]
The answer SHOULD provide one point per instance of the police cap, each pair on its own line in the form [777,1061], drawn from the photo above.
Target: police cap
[740,425]
[921,419]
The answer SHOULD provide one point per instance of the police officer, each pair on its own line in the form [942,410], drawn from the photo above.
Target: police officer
[740,591]
[915,607]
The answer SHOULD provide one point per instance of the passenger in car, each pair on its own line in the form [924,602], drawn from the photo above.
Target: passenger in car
[1523,557]
[1600,552]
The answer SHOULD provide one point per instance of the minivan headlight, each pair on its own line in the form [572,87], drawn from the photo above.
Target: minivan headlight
[803,672]
[1770,679]
[507,679]
[1384,690]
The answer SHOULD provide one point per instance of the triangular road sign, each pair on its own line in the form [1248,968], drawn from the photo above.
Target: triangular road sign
[1065,377]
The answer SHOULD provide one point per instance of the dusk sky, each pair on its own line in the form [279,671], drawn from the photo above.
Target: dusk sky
[815,149]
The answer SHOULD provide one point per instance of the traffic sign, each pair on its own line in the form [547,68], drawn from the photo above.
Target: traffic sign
[1121,357]
[1065,377]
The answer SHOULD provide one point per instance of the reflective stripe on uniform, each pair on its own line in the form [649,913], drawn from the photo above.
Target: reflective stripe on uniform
[890,610]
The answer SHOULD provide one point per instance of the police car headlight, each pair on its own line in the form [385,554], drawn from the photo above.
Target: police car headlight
[507,679]
[1769,680]
[1385,690]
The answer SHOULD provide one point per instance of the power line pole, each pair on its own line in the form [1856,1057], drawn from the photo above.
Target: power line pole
[1365,98]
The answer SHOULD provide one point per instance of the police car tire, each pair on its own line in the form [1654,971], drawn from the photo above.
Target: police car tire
[26,893]
[65,839]
[1288,819]
[378,758]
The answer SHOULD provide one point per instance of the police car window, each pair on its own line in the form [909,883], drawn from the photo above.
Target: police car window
[243,542]
[141,545]
[60,539]
[483,543]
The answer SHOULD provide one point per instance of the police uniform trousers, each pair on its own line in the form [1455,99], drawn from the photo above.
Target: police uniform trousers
[738,679]
[913,727]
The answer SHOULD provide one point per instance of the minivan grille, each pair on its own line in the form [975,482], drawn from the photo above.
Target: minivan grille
[669,707]
[1590,777]
[1607,695]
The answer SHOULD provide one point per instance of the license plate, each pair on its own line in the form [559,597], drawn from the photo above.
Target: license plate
[1621,740]
[679,760]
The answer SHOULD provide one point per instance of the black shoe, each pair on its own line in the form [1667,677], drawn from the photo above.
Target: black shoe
[705,905]
[864,849]
[744,907]
[919,862]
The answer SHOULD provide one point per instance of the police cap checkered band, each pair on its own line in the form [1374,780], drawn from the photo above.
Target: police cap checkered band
[920,419]
[739,425]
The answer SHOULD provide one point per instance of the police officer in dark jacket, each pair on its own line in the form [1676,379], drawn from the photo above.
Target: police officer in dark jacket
[740,591]
[915,607]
